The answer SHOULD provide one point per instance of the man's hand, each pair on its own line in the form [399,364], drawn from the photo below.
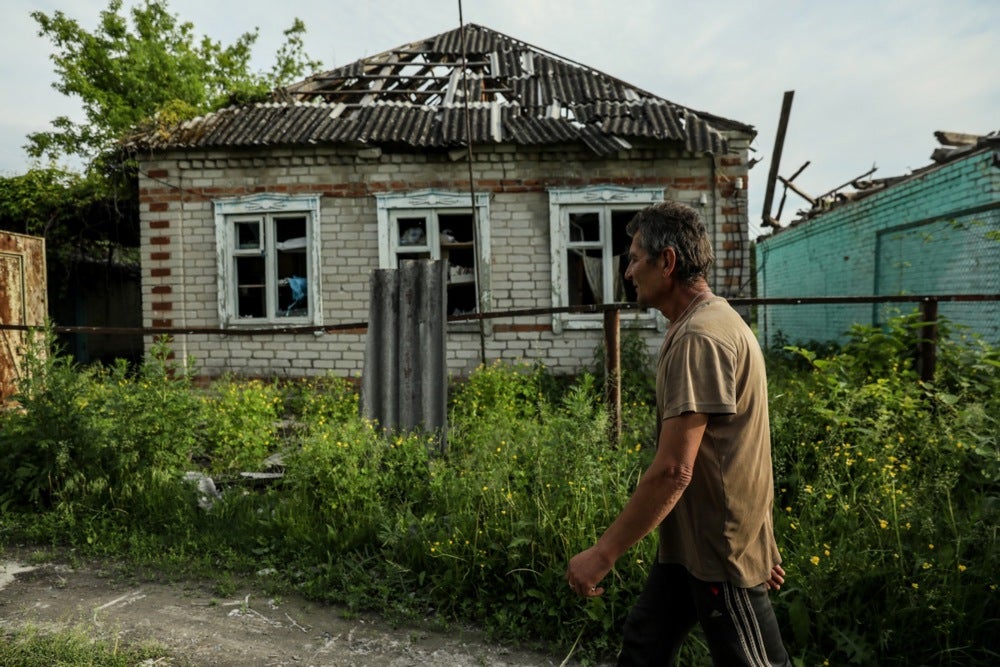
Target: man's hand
[585,571]
[777,578]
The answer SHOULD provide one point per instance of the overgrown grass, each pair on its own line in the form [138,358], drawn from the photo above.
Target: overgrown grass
[31,647]
[886,504]
[888,493]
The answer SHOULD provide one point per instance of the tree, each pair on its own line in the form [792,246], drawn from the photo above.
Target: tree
[133,72]
[152,69]
[73,212]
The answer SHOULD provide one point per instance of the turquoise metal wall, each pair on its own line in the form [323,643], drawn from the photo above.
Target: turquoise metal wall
[937,232]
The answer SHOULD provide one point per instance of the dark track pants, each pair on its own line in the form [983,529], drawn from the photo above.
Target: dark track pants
[739,623]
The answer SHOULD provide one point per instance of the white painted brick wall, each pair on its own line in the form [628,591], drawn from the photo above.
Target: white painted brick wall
[519,274]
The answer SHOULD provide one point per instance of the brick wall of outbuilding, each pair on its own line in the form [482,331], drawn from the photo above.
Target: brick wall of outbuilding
[934,233]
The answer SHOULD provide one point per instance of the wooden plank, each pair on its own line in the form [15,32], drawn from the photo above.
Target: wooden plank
[794,188]
[956,138]
[779,142]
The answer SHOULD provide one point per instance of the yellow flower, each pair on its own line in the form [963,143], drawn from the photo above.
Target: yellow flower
[814,560]
[914,585]
[883,524]
[961,568]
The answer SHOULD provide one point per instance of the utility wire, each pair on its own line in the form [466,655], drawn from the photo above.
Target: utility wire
[472,188]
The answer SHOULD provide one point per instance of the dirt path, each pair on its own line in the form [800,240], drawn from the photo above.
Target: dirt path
[245,629]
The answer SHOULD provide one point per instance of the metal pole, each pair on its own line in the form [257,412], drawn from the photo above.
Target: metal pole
[612,372]
[927,347]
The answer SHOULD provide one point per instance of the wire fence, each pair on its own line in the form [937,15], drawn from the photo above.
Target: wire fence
[362,325]
[925,354]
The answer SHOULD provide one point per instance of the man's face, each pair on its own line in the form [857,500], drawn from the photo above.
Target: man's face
[646,273]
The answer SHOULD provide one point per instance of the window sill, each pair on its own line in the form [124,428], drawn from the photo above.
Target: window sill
[583,322]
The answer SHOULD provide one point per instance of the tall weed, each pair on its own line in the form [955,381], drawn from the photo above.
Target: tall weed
[887,501]
[887,498]
[240,425]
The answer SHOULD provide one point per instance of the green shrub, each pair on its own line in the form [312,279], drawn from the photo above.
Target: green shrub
[96,435]
[329,399]
[240,425]
[887,496]
[887,489]
[343,481]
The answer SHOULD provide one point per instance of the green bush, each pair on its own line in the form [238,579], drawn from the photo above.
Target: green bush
[94,436]
[886,499]
[328,399]
[240,425]
[887,502]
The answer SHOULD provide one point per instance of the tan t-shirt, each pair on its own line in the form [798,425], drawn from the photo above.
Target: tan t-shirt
[721,529]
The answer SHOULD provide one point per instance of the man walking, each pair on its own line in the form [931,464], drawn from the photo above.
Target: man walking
[709,488]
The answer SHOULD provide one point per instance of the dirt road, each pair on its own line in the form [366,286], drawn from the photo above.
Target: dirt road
[244,629]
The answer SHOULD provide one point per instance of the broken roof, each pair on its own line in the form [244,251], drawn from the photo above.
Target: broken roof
[416,95]
[954,146]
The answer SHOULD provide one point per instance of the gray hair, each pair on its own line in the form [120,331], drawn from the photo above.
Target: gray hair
[672,225]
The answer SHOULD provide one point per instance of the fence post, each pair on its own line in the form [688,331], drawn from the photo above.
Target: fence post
[612,372]
[927,347]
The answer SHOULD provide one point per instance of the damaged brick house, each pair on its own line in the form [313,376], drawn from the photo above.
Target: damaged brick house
[274,215]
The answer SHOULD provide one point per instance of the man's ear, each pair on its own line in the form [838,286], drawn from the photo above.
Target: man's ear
[669,260]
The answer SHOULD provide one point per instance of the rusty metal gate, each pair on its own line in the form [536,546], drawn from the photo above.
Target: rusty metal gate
[22,301]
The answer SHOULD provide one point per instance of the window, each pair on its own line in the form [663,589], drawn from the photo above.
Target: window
[440,226]
[590,249]
[268,259]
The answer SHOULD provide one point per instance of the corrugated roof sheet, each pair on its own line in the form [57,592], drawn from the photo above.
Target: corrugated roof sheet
[414,95]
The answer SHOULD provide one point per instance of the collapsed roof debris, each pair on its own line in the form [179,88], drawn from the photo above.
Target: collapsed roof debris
[416,96]
[954,145]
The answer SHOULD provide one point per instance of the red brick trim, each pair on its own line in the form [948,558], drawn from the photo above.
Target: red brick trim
[358,190]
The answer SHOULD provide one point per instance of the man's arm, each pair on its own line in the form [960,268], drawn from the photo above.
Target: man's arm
[654,497]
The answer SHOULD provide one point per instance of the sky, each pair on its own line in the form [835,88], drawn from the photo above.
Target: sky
[872,80]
